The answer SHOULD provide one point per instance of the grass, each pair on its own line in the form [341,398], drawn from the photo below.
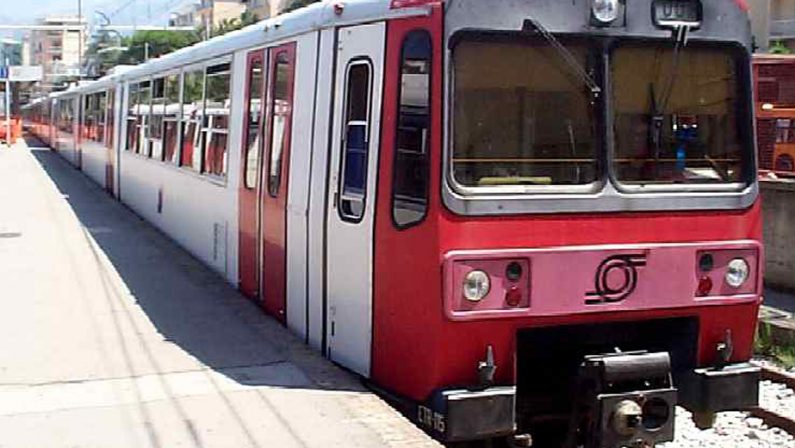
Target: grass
[766,347]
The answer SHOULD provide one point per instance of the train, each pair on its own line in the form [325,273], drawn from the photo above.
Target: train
[535,222]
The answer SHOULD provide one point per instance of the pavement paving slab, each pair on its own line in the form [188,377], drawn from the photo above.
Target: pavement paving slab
[111,335]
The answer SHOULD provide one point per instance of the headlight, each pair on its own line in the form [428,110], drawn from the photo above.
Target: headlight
[476,286]
[605,11]
[737,272]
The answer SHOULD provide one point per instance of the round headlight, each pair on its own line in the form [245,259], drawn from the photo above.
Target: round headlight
[605,11]
[476,286]
[737,272]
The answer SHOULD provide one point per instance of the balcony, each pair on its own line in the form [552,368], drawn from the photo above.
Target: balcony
[782,29]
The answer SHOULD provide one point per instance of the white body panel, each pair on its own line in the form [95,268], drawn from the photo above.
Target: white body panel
[299,187]
[319,191]
[350,245]
[95,159]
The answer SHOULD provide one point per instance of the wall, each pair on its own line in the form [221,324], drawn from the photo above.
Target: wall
[778,205]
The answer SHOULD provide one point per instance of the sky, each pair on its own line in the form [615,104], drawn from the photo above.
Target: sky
[121,12]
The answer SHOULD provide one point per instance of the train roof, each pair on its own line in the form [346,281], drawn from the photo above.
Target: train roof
[314,17]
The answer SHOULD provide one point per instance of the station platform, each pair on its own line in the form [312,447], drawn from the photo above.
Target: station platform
[113,336]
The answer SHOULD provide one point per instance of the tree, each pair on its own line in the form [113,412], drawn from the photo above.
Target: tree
[292,5]
[229,25]
[154,44]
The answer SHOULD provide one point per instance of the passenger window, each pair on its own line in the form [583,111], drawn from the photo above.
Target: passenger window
[216,112]
[144,113]
[157,116]
[280,109]
[355,141]
[100,107]
[171,119]
[192,119]
[412,141]
[132,118]
[110,128]
[253,126]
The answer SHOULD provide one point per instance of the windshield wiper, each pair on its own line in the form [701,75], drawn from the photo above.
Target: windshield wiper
[659,106]
[567,57]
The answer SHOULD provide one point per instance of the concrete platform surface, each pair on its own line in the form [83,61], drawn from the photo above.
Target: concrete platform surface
[113,336]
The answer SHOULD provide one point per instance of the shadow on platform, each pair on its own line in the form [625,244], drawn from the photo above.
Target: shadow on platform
[190,305]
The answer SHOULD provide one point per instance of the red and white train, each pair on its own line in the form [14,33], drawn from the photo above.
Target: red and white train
[522,219]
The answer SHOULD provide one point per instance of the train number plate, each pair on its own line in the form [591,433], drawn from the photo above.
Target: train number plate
[674,13]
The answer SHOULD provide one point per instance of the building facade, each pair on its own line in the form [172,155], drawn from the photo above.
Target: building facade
[773,24]
[10,52]
[59,50]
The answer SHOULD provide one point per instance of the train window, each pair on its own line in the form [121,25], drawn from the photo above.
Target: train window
[356,139]
[520,118]
[132,118]
[100,108]
[85,128]
[144,114]
[110,124]
[192,119]
[410,179]
[156,117]
[253,126]
[678,118]
[171,119]
[217,109]
[280,109]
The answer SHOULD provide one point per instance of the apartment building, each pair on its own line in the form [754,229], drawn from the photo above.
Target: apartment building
[773,23]
[58,51]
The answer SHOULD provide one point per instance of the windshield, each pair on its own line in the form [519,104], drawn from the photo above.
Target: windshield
[521,115]
[678,118]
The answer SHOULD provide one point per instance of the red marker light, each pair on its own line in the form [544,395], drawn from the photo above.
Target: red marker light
[513,297]
[704,287]
[742,4]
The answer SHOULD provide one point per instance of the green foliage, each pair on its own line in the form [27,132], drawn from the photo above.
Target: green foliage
[767,347]
[778,47]
[158,43]
[292,5]
[229,25]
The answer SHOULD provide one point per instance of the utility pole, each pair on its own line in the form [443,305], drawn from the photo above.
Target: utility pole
[80,40]
[8,103]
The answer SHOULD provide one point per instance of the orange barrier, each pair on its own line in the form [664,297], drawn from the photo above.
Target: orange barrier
[16,130]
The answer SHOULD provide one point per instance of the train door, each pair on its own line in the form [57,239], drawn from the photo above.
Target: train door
[249,225]
[351,209]
[275,180]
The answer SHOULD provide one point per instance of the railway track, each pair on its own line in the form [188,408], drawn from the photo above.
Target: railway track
[774,417]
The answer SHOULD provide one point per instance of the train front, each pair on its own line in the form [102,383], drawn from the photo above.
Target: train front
[600,229]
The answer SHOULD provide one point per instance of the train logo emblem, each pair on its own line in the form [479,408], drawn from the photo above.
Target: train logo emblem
[616,278]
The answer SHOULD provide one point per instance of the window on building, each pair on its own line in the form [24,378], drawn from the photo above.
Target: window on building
[281,111]
[410,181]
[785,130]
[253,123]
[355,141]
[216,119]
[192,118]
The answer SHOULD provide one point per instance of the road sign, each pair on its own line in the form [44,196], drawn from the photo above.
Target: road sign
[3,72]
[26,73]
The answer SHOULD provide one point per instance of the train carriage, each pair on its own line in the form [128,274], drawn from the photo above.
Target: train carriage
[516,219]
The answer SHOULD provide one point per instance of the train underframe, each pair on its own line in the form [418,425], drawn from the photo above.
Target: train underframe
[593,386]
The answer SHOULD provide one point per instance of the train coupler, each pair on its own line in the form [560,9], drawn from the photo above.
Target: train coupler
[624,400]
